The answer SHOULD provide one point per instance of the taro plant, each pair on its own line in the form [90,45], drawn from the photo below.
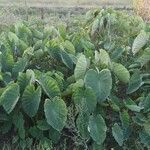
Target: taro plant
[87,89]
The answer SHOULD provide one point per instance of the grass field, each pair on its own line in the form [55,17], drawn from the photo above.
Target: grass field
[66,3]
[13,10]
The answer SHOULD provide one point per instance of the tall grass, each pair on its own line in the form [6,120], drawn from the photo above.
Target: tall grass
[67,2]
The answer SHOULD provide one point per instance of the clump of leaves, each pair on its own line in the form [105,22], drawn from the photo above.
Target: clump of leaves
[82,90]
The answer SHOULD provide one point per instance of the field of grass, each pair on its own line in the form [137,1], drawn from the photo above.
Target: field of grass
[65,3]
[14,10]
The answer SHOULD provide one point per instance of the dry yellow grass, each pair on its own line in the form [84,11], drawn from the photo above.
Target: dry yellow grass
[64,3]
[142,8]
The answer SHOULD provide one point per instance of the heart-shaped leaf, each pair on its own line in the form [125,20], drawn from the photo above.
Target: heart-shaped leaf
[69,47]
[121,72]
[100,82]
[31,100]
[10,97]
[85,97]
[95,26]
[81,67]
[135,82]
[66,59]
[82,125]
[102,58]
[145,57]
[147,103]
[19,66]
[56,113]
[49,86]
[97,128]
[140,41]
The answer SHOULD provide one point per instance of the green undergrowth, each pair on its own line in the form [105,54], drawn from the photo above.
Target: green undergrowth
[84,85]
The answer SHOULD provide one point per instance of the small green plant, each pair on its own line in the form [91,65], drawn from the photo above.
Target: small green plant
[83,87]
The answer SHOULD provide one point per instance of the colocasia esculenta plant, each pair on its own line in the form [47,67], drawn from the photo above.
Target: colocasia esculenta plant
[82,87]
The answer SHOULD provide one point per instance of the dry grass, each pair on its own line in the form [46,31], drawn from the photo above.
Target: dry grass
[142,8]
[8,17]
[65,3]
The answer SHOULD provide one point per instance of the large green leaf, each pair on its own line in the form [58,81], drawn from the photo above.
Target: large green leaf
[89,15]
[6,127]
[147,104]
[97,128]
[56,113]
[31,100]
[4,117]
[0,61]
[23,32]
[23,81]
[49,86]
[10,97]
[96,146]
[7,61]
[62,30]
[117,53]
[54,135]
[140,41]
[28,53]
[145,138]
[100,82]
[13,38]
[19,121]
[81,67]
[88,47]
[19,66]
[139,119]
[47,31]
[36,133]
[121,72]
[130,104]
[95,26]
[43,125]
[85,98]
[82,124]
[22,46]
[102,58]
[38,54]
[38,45]
[135,82]
[125,118]
[144,58]
[147,126]
[6,77]
[66,59]
[69,47]
[37,34]
[118,134]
